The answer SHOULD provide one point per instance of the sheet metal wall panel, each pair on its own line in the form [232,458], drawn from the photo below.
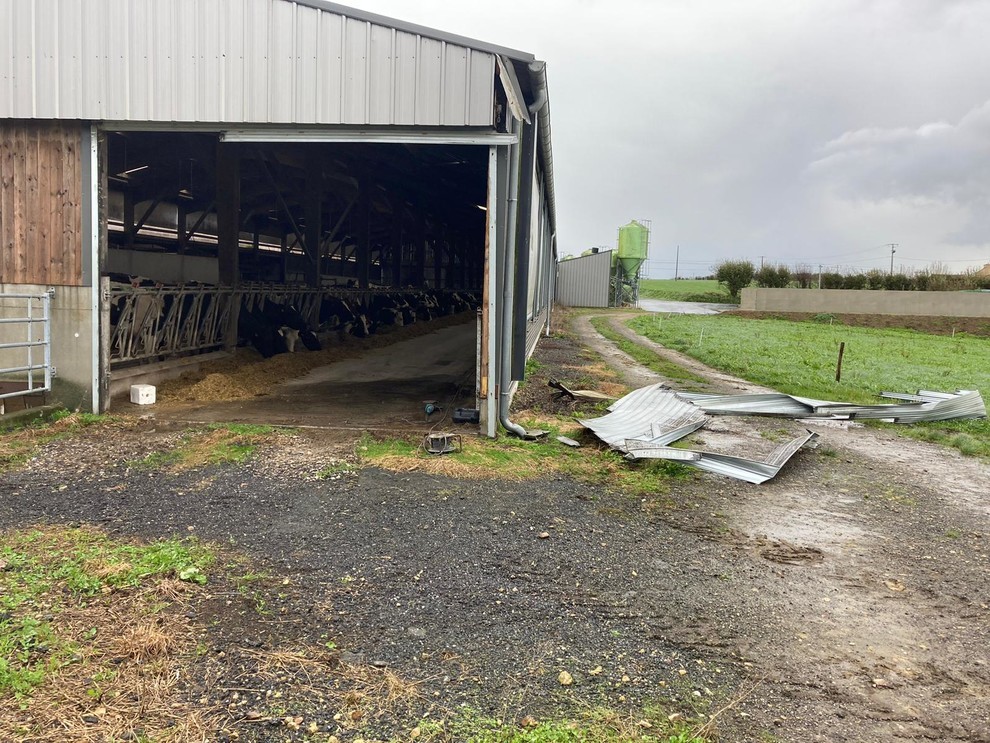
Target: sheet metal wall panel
[406,78]
[429,70]
[380,71]
[481,97]
[209,40]
[304,92]
[237,61]
[47,55]
[140,44]
[355,82]
[160,72]
[455,83]
[583,282]
[23,62]
[116,56]
[329,67]
[183,94]
[232,80]
[282,63]
[68,94]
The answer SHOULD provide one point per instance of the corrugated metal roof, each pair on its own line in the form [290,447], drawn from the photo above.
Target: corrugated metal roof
[653,414]
[924,406]
[643,422]
[238,61]
[414,28]
[749,470]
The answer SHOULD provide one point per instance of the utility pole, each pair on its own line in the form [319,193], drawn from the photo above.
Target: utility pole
[819,275]
[761,261]
[893,249]
[677,260]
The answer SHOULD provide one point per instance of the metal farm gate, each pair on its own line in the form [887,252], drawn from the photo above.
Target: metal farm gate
[25,345]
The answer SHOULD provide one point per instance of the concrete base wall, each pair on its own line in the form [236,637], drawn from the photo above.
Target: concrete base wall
[122,379]
[72,349]
[867,302]
[168,268]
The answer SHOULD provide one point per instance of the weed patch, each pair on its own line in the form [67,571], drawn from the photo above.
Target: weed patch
[509,458]
[593,725]
[21,439]
[87,645]
[216,444]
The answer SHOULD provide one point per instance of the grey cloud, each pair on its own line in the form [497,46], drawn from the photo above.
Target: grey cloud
[939,160]
[705,116]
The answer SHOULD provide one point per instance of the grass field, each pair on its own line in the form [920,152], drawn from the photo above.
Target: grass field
[684,290]
[799,358]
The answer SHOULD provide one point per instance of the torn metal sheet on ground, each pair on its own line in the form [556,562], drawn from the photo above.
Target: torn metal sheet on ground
[651,413]
[925,406]
[645,421]
[587,395]
[962,406]
[749,470]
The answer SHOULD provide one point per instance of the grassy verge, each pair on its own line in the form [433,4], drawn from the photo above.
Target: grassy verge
[20,440]
[686,290]
[800,357]
[229,443]
[595,725]
[509,458]
[87,644]
[646,357]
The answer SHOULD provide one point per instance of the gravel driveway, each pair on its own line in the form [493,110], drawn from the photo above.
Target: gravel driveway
[846,600]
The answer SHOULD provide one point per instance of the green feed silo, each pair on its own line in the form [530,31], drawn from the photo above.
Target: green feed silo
[634,241]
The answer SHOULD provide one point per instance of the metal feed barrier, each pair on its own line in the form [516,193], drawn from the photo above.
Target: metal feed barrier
[156,323]
[25,345]
[148,322]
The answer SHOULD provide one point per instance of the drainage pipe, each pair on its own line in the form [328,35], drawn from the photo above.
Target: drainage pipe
[508,293]
[523,243]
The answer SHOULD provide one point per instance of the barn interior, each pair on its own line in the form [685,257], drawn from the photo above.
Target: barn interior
[209,239]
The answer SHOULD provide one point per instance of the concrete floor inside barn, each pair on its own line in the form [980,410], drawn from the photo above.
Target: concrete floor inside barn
[384,388]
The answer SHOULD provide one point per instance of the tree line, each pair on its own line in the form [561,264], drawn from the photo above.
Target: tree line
[736,275]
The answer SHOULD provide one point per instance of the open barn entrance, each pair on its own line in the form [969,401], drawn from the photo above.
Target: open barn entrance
[220,250]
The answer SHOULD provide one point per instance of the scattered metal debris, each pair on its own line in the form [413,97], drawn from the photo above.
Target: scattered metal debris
[643,423]
[569,442]
[587,395]
[764,403]
[748,470]
[653,414]
[924,406]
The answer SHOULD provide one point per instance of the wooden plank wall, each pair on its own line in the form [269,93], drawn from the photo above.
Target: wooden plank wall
[40,203]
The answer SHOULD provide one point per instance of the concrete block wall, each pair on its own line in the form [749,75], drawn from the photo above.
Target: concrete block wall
[867,302]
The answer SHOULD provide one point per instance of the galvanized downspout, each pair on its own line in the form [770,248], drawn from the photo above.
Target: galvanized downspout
[523,240]
[551,278]
[538,79]
[508,294]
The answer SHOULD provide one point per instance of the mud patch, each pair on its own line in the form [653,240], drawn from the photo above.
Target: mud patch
[787,553]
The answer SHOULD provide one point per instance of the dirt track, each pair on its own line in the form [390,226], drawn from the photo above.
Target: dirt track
[846,600]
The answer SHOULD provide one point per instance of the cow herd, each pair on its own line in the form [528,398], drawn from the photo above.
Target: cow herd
[276,328]
[139,319]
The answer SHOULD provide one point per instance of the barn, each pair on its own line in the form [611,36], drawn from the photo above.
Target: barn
[175,174]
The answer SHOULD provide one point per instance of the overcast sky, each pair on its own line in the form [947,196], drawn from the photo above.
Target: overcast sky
[809,131]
